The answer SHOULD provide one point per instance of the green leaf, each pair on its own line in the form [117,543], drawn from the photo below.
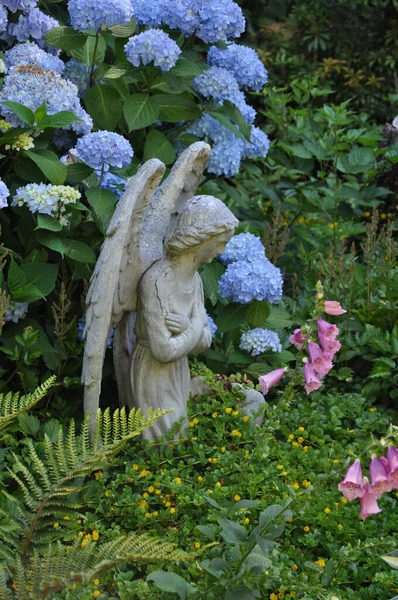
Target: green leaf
[171,582]
[65,38]
[140,111]
[232,532]
[85,54]
[271,513]
[123,31]
[50,240]
[40,113]
[16,279]
[78,172]
[206,531]
[244,504]
[174,108]
[79,251]
[187,68]
[103,203]
[278,318]
[158,146]
[48,222]
[358,160]
[60,119]
[258,312]
[29,424]
[382,367]
[225,122]
[232,112]
[23,112]
[104,105]
[41,275]
[231,316]
[49,165]
[210,275]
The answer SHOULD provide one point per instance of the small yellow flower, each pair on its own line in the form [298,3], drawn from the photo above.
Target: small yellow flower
[279,467]
[367,213]
[84,542]
[96,581]
[68,548]
[305,448]
[191,424]
[383,216]
[80,534]
[284,473]
[167,504]
[246,521]
[95,535]
[147,515]
[295,444]
[144,472]
[172,510]
[55,525]
[158,492]
[290,520]
[294,567]
[96,593]
[215,415]
[223,449]
[237,498]
[236,433]
[245,418]
[87,536]
[332,225]
[98,474]
[320,562]
[80,521]
[107,493]
[336,461]
[301,429]
[295,485]
[200,478]
[273,596]
[218,484]
[290,436]
[196,420]
[327,511]
[178,480]
[196,545]
[136,467]
[373,409]
[305,483]
[150,489]
[340,526]
[145,495]
[344,500]
[292,594]
[235,413]
[228,410]
[66,518]
[156,513]
[247,453]
[300,440]
[306,529]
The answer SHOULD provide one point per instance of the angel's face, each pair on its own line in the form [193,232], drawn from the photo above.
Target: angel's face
[213,247]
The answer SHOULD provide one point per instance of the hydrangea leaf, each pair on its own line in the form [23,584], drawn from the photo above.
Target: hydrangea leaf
[23,112]
[91,52]
[258,313]
[48,222]
[158,146]
[174,108]
[140,111]
[103,204]
[233,315]
[122,31]
[49,164]
[79,251]
[104,105]
[65,38]
[50,240]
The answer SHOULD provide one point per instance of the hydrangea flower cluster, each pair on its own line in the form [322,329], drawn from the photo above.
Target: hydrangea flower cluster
[242,62]
[258,340]
[244,246]
[30,54]
[31,86]
[24,5]
[4,193]
[47,199]
[113,183]
[217,83]
[383,473]
[3,19]
[245,281]
[91,14]
[77,73]
[212,326]
[147,13]
[154,46]
[33,24]
[104,149]
[16,311]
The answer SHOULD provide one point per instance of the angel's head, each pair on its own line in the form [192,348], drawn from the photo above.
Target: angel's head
[205,225]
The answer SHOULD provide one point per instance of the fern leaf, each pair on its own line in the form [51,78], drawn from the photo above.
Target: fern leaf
[13,405]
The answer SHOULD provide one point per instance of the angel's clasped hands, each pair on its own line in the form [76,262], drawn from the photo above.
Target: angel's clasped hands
[176,323]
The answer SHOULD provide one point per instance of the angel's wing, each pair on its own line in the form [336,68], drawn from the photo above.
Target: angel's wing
[121,249]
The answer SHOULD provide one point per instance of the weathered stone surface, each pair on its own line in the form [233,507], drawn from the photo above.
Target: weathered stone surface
[253,401]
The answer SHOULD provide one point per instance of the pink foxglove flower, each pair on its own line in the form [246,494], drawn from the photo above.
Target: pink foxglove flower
[368,502]
[329,330]
[352,486]
[392,468]
[298,338]
[332,307]
[330,347]
[312,382]
[270,379]
[379,478]
[320,363]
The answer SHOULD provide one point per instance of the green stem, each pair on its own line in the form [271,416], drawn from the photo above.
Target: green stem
[91,81]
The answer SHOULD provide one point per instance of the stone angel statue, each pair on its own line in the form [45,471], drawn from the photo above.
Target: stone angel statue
[147,276]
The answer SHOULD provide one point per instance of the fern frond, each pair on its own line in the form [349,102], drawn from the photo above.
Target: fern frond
[12,404]
[5,591]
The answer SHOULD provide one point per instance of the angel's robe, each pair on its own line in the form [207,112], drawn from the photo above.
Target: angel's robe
[159,371]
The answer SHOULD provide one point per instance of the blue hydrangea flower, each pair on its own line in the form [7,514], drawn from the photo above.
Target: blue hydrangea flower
[24,5]
[113,183]
[47,199]
[4,193]
[216,83]
[181,14]
[242,62]
[220,20]
[259,144]
[212,326]
[16,311]
[154,46]
[147,12]
[244,246]
[32,86]
[91,14]
[3,19]
[238,98]
[33,24]
[77,73]
[30,54]
[256,341]
[104,149]
[245,281]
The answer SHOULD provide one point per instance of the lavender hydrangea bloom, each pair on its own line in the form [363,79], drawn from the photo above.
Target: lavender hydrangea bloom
[77,73]
[216,83]
[30,54]
[16,311]
[244,246]
[256,341]
[104,148]
[4,193]
[238,98]
[24,5]
[152,45]
[147,12]
[245,281]
[242,62]
[212,326]
[113,183]
[3,19]
[181,14]
[258,145]
[220,20]
[32,86]
[34,24]
[91,14]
